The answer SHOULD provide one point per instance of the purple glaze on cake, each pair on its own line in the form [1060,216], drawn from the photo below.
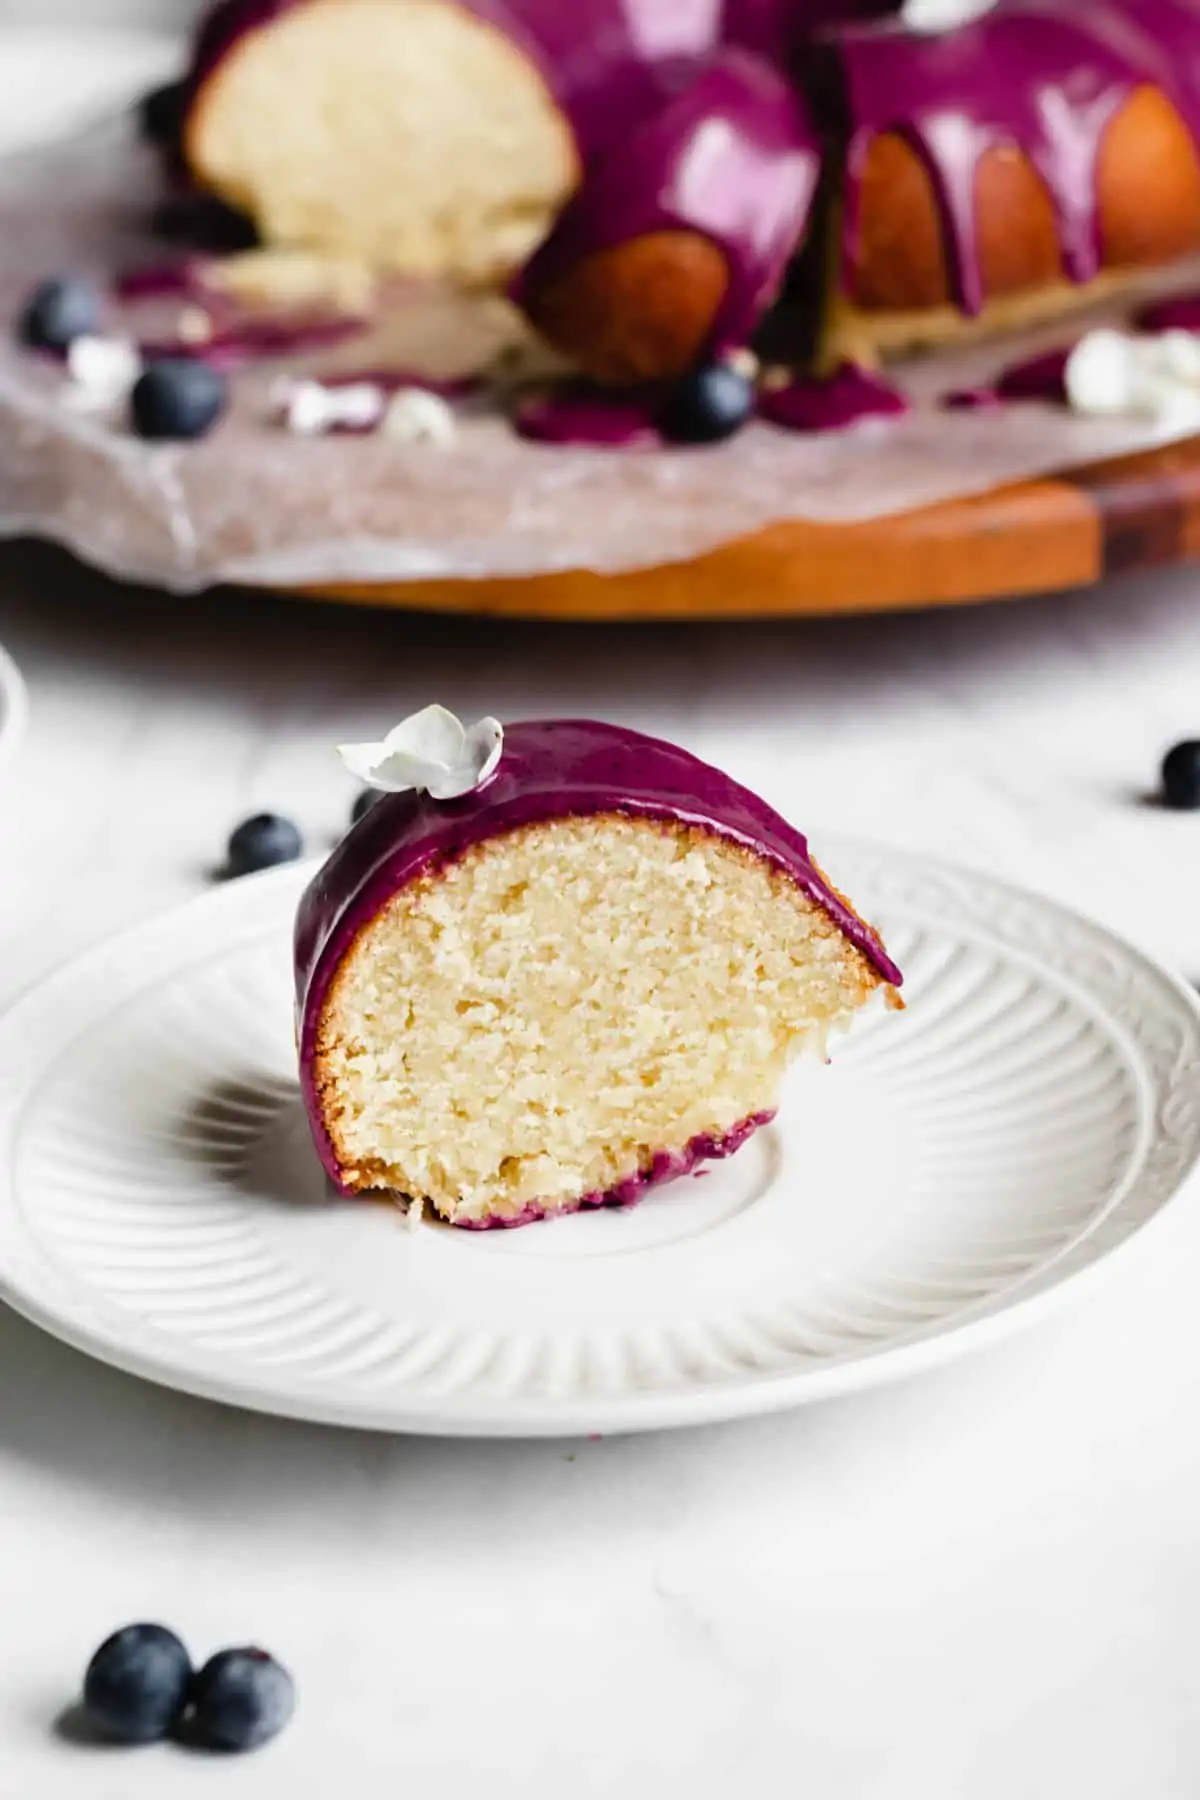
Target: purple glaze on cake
[735,157]
[606,63]
[668,1165]
[1046,76]
[831,402]
[632,78]
[578,413]
[780,29]
[550,769]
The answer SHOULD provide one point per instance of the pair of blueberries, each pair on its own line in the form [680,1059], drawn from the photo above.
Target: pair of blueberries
[140,1686]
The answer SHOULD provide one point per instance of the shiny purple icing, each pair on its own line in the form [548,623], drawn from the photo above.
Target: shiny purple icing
[735,157]
[684,112]
[1046,76]
[634,79]
[550,769]
[831,402]
[667,1165]
[606,62]
[581,414]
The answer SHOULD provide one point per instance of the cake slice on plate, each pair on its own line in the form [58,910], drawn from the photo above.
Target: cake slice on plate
[556,965]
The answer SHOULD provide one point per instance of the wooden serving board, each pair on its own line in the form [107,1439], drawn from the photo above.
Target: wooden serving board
[1069,530]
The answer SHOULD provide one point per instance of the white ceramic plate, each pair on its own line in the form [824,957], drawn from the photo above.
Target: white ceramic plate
[955,1169]
[14,707]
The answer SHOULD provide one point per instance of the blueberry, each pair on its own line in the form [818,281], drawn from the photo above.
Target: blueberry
[362,806]
[161,114]
[178,397]
[1181,776]
[60,311]
[708,404]
[262,842]
[240,1699]
[137,1684]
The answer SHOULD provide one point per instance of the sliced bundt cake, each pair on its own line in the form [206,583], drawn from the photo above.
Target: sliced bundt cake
[575,964]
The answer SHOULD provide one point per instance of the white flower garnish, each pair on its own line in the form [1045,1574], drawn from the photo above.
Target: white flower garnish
[310,408]
[103,370]
[412,415]
[1155,375]
[415,416]
[430,751]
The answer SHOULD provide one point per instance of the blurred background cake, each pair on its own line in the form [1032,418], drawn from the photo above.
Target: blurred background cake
[672,169]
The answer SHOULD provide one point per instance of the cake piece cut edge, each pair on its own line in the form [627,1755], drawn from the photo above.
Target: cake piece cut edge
[558,1012]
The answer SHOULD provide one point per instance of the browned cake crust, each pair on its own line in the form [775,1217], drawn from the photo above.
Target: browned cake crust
[1148,184]
[641,311]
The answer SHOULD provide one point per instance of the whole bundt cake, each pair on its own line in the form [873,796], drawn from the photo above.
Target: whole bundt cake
[557,965]
[668,167]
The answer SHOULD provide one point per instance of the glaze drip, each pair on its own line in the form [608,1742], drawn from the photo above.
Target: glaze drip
[716,118]
[1043,76]
[844,398]
[735,158]
[578,413]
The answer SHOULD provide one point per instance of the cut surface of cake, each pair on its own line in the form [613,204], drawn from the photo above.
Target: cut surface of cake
[580,977]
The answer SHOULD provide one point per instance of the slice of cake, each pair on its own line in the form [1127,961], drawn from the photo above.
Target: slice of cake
[556,965]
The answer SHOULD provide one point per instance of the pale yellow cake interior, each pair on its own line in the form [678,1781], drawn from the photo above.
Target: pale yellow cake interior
[532,1022]
[401,133]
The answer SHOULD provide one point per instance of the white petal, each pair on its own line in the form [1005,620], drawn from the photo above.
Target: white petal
[414,416]
[1101,375]
[431,752]
[360,403]
[1179,356]
[104,368]
[307,409]
[363,759]
[485,743]
[402,770]
[434,734]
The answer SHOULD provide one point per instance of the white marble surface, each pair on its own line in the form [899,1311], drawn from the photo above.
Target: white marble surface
[978,1586]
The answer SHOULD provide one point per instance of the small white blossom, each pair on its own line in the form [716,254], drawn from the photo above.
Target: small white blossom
[311,409]
[432,752]
[103,370]
[414,416]
[1155,376]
